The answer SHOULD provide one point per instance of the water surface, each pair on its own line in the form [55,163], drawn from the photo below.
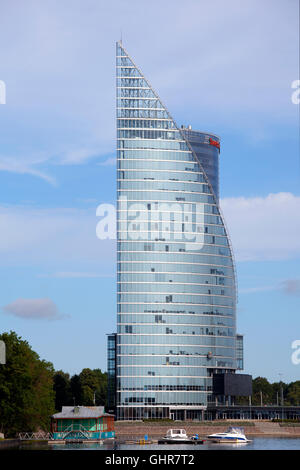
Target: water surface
[257,443]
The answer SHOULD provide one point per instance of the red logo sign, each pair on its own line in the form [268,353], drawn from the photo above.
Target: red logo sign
[215,143]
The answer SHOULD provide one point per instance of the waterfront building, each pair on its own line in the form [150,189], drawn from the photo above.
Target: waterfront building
[176,295]
[82,423]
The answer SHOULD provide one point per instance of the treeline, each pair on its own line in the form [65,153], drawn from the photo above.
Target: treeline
[31,390]
[88,388]
[266,393]
[26,388]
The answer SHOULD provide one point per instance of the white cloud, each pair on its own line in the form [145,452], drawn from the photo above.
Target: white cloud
[58,239]
[76,275]
[59,68]
[79,156]
[37,309]
[28,164]
[22,165]
[288,286]
[59,71]
[264,228]
[90,200]
[64,240]
[254,290]
[109,162]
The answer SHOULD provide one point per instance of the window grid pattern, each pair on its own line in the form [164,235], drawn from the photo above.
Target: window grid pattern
[176,284]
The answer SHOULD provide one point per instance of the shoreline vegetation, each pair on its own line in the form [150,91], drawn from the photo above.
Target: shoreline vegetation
[31,390]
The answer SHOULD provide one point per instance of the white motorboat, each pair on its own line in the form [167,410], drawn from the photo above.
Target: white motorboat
[177,435]
[233,435]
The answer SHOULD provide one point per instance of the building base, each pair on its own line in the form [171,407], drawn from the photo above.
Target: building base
[176,413]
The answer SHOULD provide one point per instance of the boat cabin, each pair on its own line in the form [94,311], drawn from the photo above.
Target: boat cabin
[176,433]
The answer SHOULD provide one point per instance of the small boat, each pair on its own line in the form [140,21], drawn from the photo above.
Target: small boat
[178,436]
[233,435]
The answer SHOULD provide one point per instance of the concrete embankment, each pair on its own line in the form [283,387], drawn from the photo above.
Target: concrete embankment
[137,430]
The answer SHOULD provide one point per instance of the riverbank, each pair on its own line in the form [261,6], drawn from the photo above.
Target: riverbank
[137,430]
[130,432]
[9,443]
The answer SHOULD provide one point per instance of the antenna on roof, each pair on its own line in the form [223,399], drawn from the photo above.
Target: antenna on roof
[121,37]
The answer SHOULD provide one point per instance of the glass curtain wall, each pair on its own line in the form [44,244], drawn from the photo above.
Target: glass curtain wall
[176,286]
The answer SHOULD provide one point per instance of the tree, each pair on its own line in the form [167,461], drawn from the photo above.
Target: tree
[101,392]
[293,393]
[76,390]
[261,385]
[88,381]
[62,389]
[93,385]
[26,388]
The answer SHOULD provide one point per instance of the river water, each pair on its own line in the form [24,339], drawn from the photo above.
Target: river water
[257,443]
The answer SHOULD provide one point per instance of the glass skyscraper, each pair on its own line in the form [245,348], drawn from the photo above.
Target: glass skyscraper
[176,296]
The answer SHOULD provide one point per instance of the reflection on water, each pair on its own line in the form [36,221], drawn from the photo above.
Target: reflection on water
[258,443]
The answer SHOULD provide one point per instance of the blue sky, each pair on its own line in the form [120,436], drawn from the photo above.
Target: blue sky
[224,67]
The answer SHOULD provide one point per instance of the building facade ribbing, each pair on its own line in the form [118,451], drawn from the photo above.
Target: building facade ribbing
[176,296]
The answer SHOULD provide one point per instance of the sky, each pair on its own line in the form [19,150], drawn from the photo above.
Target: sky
[222,67]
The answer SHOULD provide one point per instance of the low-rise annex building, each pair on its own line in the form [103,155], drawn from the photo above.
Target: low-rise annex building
[82,423]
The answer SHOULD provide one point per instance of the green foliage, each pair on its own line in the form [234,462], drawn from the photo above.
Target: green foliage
[80,389]
[93,382]
[287,422]
[261,385]
[77,394]
[101,391]
[26,388]
[62,389]
[293,393]
[31,391]
[89,383]
[270,393]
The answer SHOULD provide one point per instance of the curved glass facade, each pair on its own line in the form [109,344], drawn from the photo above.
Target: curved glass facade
[207,148]
[176,286]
